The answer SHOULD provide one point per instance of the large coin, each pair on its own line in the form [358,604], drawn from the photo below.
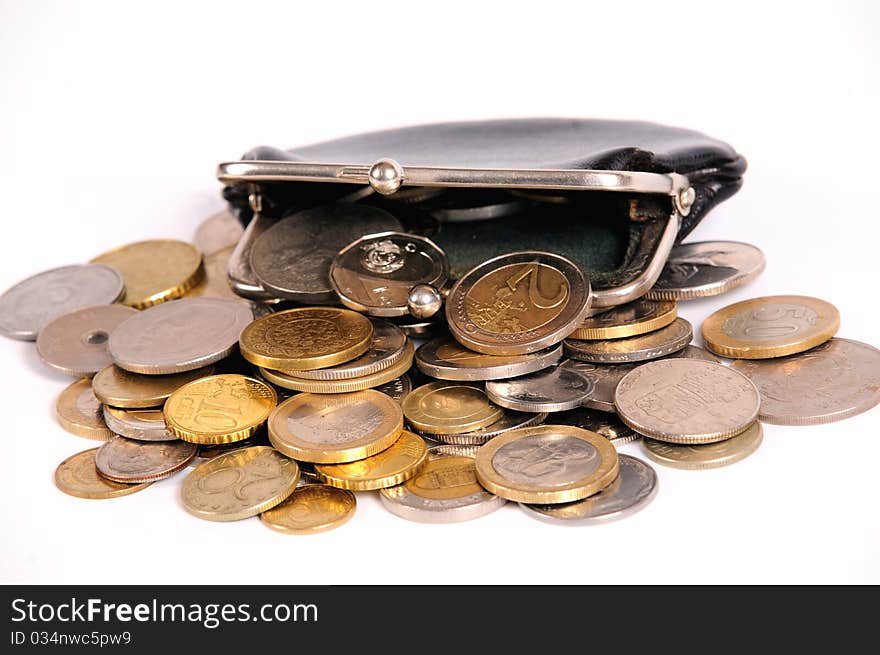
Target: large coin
[76,343]
[547,464]
[239,484]
[78,476]
[707,268]
[773,326]
[605,423]
[79,411]
[446,359]
[397,463]
[637,317]
[686,401]
[838,379]
[653,345]
[155,271]
[335,428]
[218,232]
[510,420]
[634,487]
[311,508]
[551,390]
[518,303]
[179,336]
[29,305]
[140,424]
[449,408]
[129,461]
[117,387]
[708,455]
[292,258]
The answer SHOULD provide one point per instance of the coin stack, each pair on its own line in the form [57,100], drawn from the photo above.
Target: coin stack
[356,364]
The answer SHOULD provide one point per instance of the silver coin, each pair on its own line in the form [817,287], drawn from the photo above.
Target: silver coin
[138,424]
[510,420]
[374,274]
[694,352]
[605,378]
[416,194]
[477,206]
[29,305]
[239,274]
[76,343]
[397,389]
[220,231]
[600,422]
[551,390]
[634,487]
[453,450]
[129,461]
[831,382]
[643,347]
[419,329]
[292,258]
[179,335]
[707,268]
[446,359]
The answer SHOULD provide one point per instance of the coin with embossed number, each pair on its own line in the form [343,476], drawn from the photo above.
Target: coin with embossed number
[79,411]
[551,390]
[117,387]
[397,463]
[446,359]
[510,420]
[449,408]
[218,232]
[139,424]
[708,455]
[653,345]
[130,461]
[78,476]
[637,317]
[311,508]
[605,423]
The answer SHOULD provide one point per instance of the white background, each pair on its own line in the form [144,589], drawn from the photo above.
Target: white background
[114,116]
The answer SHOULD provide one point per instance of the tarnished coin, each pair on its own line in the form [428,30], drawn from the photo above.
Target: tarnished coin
[708,455]
[155,271]
[600,422]
[79,411]
[239,484]
[446,359]
[219,408]
[117,387]
[398,389]
[32,303]
[375,273]
[643,347]
[292,258]
[181,335]
[638,317]
[604,377]
[218,232]
[130,461]
[311,508]
[831,382]
[335,428]
[547,464]
[215,282]
[686,401]
[551,390]
[510,420]
[518,303]
[76,343]
[397,463]
[706,268]
[773,326]
[634,487]
[139,424]
[306,338]
[449,408]
[78,476]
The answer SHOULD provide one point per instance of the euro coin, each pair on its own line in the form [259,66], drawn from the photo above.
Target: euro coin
[311,508]
[397,463]
[449,408]
[117,387]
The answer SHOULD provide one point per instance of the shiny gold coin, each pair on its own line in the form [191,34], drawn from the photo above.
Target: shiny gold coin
[215,283]
[705,456]
[78,476]
[311,508]
[396,464]
[773,326]
[155,271]
[80,413]
[450,408]
[117,387]
[306,338]
[219,408]
[637,317]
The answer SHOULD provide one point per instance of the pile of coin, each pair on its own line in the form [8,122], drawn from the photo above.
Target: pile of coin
[367,368]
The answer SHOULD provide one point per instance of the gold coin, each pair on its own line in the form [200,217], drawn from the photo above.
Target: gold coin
[78,476]
[637,317]
[311,508]
[117,387]
[705,456]
[446,478]
[335,428]
[306,338]
[215,283]
[219,408]
[80,413]
[450,408]
[396,464]
[773,326]
[239,484]
[155,271]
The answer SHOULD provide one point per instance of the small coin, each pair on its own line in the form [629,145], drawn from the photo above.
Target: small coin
[706,268]
[421,329]
[311,508]
[239,484]
[306,338]
[397,389]
[686,401]
[510,420]
[773,326]
[180,335]
[139,424]
[604,378]
[547,464]
[449,450]
[215,283]
[219,408]
[32,303]
[831,382]
[446,359]
[78,476]
[628,320]
[76,343]
[706,456]
[375,273]
[450,408]
[518,303]
[130,461]
[335,428]
[551,390]
[218,232]
[600,422]
[634,487]
[643,347]
[155,271]
[117,387]
[394,465]
[79,411]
